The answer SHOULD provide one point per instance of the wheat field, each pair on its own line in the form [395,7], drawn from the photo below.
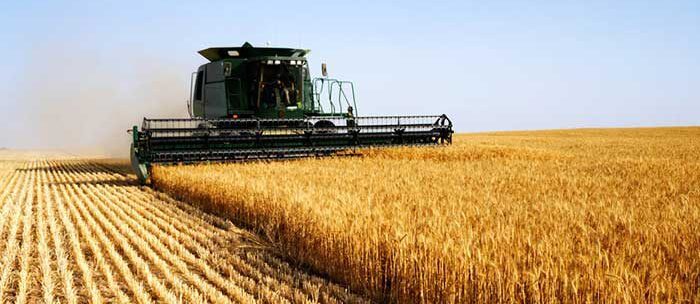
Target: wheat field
[580,216]
[75,231]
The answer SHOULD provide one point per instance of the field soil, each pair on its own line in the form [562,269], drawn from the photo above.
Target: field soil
[75,230]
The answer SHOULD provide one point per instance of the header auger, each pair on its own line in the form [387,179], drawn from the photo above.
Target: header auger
[261,103]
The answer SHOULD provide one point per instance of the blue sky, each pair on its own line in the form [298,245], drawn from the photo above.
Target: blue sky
[88,70]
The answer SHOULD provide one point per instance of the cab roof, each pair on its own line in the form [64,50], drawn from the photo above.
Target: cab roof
[247,51]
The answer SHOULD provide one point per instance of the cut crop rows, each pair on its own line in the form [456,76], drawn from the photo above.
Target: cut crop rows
[74,231]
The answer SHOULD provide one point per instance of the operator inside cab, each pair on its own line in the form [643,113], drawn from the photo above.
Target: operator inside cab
[278,89]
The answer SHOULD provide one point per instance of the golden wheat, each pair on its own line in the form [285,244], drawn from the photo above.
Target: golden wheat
[551,216]
[76,231]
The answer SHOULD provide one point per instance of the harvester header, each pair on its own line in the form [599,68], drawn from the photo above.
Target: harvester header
[261,103]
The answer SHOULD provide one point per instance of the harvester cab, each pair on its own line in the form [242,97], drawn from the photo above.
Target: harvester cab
[261,103]
[248,82]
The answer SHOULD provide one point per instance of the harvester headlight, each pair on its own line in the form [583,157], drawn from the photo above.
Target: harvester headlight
[269,62]
[293,62]
[277,62]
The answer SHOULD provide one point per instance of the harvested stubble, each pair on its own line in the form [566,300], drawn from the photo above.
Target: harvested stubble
[550,216]
[73,231]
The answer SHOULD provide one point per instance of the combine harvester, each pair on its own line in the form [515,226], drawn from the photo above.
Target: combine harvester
[261,103]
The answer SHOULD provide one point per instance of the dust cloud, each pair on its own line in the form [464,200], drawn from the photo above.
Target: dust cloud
[83,103]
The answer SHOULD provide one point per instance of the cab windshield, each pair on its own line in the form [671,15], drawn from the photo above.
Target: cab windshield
[279,86]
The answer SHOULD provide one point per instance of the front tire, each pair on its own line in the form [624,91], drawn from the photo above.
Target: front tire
[325,126]
[140,169]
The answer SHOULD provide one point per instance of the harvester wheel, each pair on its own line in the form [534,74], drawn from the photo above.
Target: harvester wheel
[325,126]
[139,168]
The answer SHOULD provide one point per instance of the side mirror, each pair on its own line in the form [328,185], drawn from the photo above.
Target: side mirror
[324,71]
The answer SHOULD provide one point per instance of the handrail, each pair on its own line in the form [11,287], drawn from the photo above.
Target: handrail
[343,96]
[319,91]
